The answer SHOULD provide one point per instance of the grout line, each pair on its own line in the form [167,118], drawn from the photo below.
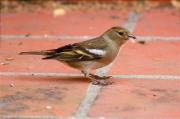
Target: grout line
[38,74]
[87,102]
[148,76]
[157,38]
[114,76]
[34,117]
[82,37]
[133,18]
[91,95]
[46,37]
[63,117]
[93,90]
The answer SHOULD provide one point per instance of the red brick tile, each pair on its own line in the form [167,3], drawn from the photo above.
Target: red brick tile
[138,98]
[155,58]
[72,23]
[159,22]
[32,94]
[10,48]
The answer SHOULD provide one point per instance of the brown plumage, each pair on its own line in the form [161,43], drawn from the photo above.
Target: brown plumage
[91,54]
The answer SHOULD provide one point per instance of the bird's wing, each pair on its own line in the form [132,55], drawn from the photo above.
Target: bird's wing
[83,51]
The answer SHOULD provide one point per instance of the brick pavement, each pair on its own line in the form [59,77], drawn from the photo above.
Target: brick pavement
[146,75]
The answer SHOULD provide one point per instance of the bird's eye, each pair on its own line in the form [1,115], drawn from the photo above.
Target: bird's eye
[121,33]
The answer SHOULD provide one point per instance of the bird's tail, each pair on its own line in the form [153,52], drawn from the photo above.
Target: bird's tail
[45,52]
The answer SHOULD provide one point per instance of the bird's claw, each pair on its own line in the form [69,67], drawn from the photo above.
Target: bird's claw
[99,78]
[102,83]
[107,77]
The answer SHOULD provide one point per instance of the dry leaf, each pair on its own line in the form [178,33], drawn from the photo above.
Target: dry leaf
[157,59]
[48,107]
[59,12]
[10,59]
[12,85]
[175,3]
[143,42]
[4,63]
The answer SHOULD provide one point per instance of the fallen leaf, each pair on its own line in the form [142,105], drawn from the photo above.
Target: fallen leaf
[157,59]
[143,42]
[59,12]
[27,35]
[20,43]
[12,85]
[48,107]
[176,3]
[4,63]
[10,59]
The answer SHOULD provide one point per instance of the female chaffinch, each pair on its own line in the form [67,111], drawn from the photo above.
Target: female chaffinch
[91,54]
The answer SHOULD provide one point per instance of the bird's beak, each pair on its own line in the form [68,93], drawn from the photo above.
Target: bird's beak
[131,36]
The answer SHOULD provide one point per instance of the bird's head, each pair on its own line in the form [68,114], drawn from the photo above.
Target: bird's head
[119,34]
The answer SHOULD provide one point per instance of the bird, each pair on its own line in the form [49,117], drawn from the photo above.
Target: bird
[90,54]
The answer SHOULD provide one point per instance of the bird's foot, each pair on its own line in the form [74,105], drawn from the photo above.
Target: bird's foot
[99,77]
[98,80]
[102,83]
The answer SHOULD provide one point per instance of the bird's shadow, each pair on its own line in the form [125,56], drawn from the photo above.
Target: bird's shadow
[54,79]
[67,78]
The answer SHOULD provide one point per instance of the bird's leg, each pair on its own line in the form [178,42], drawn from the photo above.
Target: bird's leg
[97,80]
